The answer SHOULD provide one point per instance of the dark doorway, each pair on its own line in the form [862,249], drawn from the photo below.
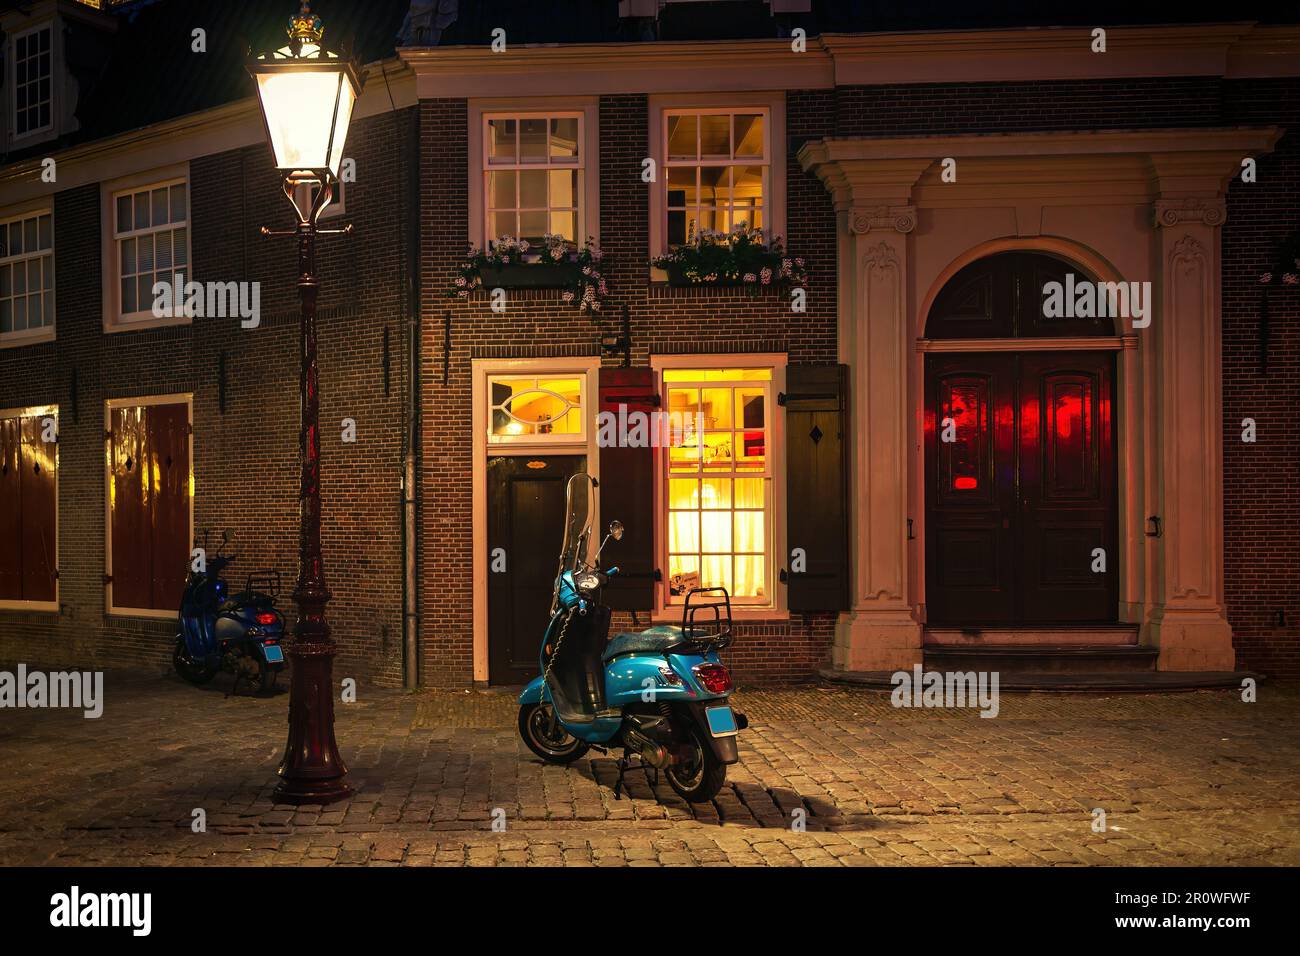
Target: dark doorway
[1023,494]
[526,511]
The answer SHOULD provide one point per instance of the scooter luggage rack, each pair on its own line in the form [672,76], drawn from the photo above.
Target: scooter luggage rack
[263,582]
[715,632]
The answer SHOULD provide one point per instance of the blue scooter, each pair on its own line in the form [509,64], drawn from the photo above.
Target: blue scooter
[662,694]
[241,633]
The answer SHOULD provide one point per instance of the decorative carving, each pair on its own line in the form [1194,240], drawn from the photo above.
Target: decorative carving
[899,218]
[1172,212]
[880,256]
[1187,252]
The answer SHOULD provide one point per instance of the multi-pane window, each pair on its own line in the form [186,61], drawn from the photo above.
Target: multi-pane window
[151,235]
[533,176]
[33,74]
[719,481]
[26,273]
[535,408]
[718,171]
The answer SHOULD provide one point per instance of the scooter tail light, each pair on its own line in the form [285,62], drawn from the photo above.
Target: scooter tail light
[715,677]
[266,617]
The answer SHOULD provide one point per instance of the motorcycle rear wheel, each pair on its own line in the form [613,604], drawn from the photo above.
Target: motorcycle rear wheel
[554,746]
[699,779]
[196,674]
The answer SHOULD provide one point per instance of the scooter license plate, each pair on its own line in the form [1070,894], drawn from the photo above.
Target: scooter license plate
[722,722]
[274,653]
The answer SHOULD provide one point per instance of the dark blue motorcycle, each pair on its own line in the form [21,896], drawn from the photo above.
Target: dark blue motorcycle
[240,633]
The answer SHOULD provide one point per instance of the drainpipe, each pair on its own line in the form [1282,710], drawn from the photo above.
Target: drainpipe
[410,464]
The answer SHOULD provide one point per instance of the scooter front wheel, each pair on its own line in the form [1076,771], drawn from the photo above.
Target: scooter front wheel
[194,673]
[546,736]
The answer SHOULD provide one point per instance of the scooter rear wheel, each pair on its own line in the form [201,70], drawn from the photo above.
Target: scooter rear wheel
[698,779]
[549,740]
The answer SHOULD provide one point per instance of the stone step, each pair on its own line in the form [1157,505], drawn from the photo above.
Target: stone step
[1042,658]
[1072,635]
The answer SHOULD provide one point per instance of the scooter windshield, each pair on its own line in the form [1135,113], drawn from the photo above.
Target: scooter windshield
[577,526]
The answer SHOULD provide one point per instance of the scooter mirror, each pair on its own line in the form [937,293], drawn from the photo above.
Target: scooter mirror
[616,530]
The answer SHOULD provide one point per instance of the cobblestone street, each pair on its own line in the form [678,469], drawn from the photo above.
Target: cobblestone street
[1196,778]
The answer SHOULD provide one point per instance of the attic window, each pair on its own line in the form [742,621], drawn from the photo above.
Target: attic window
[32,81]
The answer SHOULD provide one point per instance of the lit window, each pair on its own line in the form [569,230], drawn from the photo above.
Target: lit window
[26,275]
[32,81]
[535,408]
[29,461]
[717,174]
[533,176]
[719,483]
[151,237]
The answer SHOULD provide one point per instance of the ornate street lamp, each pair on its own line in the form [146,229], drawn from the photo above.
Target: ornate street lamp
[307,92]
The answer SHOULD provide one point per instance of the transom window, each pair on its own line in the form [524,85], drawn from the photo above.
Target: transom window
[150,231]
[718,171]
[533,176]
[719,483]
[33,97]
[26,274]
[535,408]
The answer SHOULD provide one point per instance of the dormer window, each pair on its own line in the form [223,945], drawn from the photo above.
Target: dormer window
[33,85]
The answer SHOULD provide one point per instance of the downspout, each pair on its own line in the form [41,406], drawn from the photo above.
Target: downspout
[410,500]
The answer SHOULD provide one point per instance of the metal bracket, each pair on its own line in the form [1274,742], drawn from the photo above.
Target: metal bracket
[620,344]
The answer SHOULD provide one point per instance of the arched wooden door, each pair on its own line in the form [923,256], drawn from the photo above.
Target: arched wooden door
[1019,456]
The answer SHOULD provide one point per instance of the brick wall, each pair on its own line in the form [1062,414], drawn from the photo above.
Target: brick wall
[245,457]
[537,323]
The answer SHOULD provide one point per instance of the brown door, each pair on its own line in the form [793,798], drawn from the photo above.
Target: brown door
[526,512]
[1023,495]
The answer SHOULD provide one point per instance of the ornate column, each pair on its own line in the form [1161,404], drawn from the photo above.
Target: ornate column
[875,218]
[1188,618]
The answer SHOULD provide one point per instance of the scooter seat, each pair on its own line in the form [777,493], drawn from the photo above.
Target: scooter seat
[653,640]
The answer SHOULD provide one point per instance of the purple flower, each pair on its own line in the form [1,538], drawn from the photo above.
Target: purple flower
[1290,278]
[1265,277]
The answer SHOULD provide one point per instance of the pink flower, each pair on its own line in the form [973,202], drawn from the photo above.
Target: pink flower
[1266,277]
[766,275]
[750,277]
[1290,278]
[567,297]
[463,294]
[798,262]
[460,280]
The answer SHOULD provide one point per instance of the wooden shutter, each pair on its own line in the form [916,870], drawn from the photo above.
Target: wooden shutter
[627,482]
[11,511]
[129,487]
[39,511]
[169,464]
[817,512]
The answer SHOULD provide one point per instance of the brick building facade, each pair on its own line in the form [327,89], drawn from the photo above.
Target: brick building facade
[419,162]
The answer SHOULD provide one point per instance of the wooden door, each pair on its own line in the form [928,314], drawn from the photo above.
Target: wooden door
[1023,494]
[526,512]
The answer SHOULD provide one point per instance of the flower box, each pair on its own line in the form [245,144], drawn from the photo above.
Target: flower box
[530,275]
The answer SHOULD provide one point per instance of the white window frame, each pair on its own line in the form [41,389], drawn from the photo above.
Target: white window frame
[538,442]
[661,106]
[45,333]
[776,606]
[114,319]
[40,411]
[586,108]
[36,131]
[187,399]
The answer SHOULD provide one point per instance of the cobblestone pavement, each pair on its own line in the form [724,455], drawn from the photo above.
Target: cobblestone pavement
[1196,778]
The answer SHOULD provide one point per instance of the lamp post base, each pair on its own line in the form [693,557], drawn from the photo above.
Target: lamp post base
[312,771]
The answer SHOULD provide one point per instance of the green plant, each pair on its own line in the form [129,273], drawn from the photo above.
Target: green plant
[738,258]
[588,289]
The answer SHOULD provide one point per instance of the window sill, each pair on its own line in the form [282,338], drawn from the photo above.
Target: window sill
[35,607]
[141,613]
[125,324]
[16,340]
[747,614]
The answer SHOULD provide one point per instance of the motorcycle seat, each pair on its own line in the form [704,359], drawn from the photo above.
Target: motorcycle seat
[653,640]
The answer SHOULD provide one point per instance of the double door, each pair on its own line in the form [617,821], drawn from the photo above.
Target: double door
[1021,521]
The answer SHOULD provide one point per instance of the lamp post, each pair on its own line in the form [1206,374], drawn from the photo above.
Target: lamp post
[307,92]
